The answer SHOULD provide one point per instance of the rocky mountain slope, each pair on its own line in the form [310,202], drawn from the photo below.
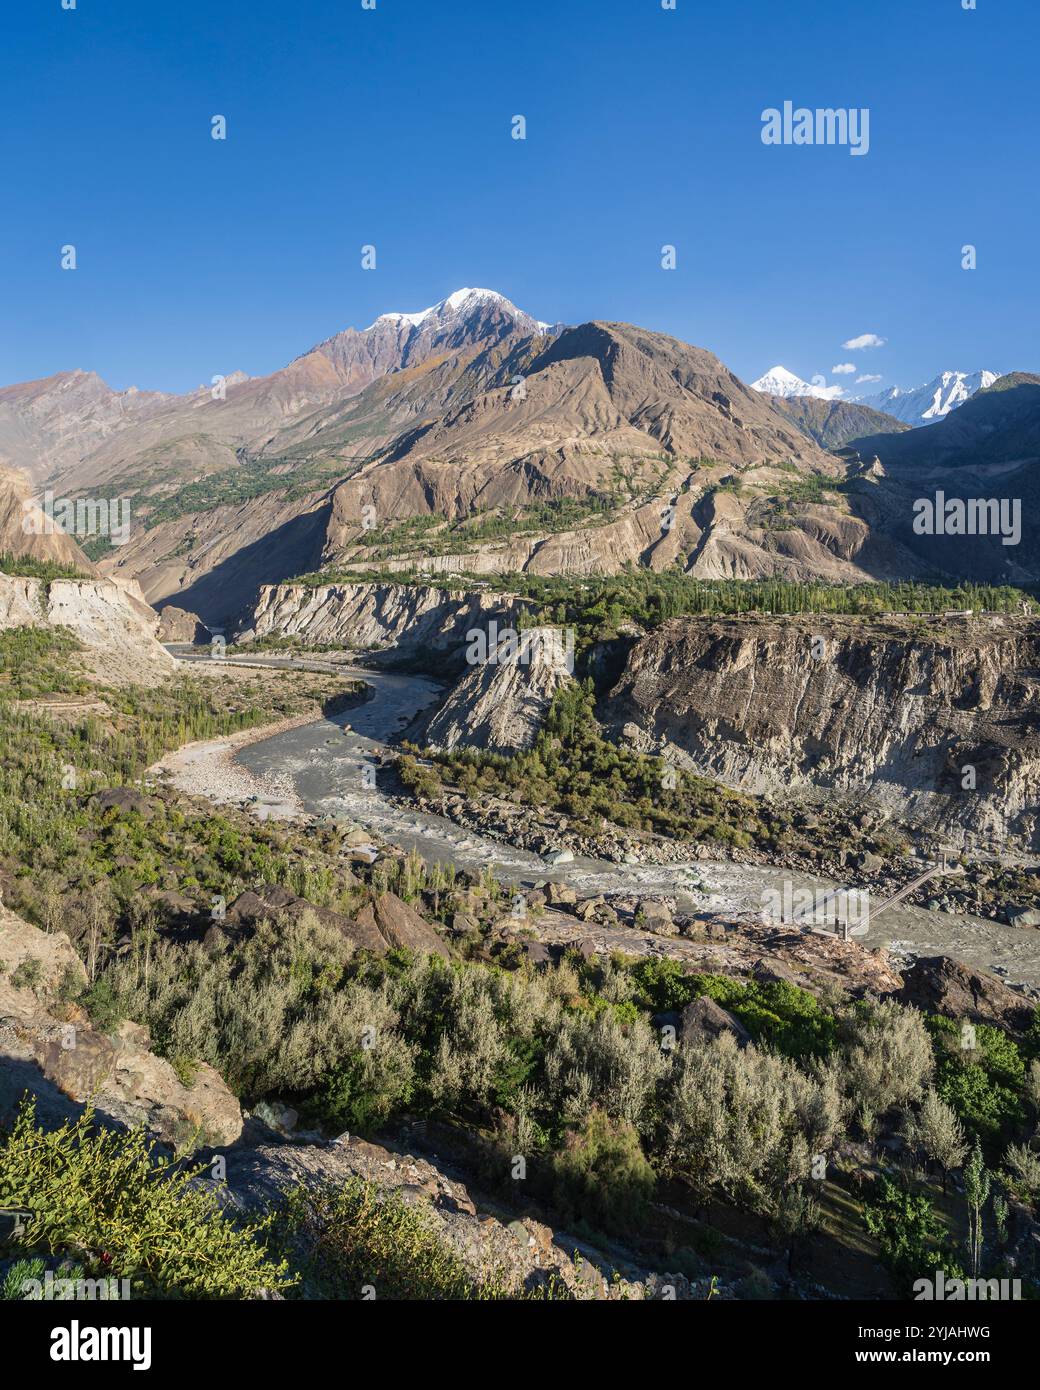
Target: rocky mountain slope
[832,424]
[74,431]
[409,618]
[471,437]
[998,427]
[935,721]
[27,532]
[989,448]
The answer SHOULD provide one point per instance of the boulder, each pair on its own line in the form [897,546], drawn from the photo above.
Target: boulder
[703,1019]
[941,985]
[274,903]
[559,895]
[179,625]
[1025,917]
[771,971]
[400,925]
[657,919]
[868,862]
[124,800]
[535,953]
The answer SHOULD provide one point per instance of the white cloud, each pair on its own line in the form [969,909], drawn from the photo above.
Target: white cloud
[865,340]
[861,379]
[843,369]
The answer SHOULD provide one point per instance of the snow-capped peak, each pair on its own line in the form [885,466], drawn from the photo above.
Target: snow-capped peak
[778,381]
[457,302]
[922,405]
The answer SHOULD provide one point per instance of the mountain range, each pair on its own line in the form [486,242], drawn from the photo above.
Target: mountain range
[922,405]
[919,405]
[472,437]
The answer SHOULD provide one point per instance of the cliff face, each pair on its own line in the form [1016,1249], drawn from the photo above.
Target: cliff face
[500,704]
[116,627]
[380,615]
[938,721]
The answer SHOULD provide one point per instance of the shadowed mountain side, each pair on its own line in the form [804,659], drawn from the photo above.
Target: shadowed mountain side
[233,585]
[1000,425]
[832,424]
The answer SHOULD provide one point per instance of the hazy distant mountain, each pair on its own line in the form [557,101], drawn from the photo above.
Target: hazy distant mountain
[922,405]
[52,423]
[778,381]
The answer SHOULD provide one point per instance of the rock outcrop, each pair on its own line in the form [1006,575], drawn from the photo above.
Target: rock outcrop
[116,629]
[501,702]
[409,618]
[382,925]
[703,1019]
[935,720]
[26,530]
[178,625]
[49,1047]
[517,1256]
[939,985]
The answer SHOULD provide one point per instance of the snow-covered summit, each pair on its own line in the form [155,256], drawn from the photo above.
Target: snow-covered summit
[459,303]
[922,405]
[778,381]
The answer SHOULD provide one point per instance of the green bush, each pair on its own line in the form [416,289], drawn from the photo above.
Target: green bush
[355,1238]
[776,1013]
[983,1083]
[601,1176]
[129,1212]
[910,1234]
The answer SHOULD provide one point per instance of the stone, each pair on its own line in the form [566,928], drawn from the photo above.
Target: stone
[401,926]
[55,1053]
[125,799]
[703,1019]
[281,1118]
[535,953]
[869,863]
[179,625]
[939,984]
[1025,917]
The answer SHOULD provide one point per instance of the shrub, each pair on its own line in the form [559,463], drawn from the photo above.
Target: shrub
[355,1237]
[888,1058]
[128,1211]
[909,1233]
[602,1175]
[1023,1172]
[28,975]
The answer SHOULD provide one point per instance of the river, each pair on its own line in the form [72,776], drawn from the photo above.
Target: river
[329,766]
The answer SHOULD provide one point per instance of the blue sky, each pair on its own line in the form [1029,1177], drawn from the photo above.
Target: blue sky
[392,127]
